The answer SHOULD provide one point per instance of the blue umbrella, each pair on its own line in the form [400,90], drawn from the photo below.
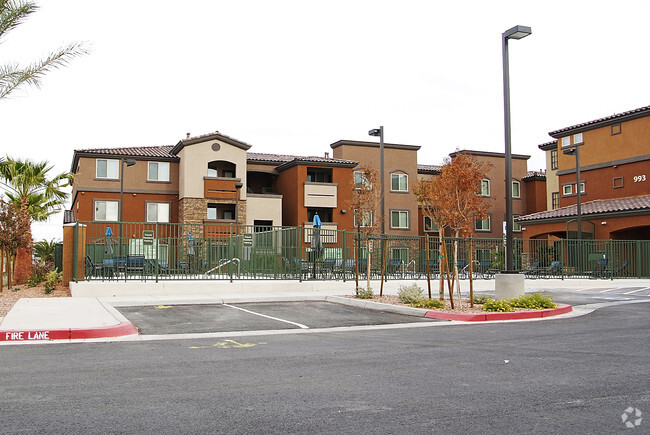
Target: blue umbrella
[108,235]
[315,238]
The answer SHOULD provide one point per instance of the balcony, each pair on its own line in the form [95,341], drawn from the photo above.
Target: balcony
[328,232]
[220,188]
[320,195]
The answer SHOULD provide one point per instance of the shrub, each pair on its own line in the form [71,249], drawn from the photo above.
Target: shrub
[363,293]
[39,272]
[410,295]
[52,280]
[480,299]
[499,306]
[533,301]
[430,303]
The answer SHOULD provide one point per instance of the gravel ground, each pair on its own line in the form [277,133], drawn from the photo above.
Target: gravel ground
[9,297]
[394,300]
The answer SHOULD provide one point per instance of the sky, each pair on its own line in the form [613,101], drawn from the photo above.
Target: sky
[294,76]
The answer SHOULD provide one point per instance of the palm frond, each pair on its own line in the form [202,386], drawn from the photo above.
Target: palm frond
[14,13]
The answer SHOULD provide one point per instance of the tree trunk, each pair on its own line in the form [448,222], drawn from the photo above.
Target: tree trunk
[2,268]
[456,269]
[23,265]
[368,262]
[8,270]
[471,282]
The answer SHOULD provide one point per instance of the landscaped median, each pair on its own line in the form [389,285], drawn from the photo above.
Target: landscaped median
[489,316]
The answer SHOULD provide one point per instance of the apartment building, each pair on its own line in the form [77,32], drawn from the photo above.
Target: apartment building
[613,154]
[210,178]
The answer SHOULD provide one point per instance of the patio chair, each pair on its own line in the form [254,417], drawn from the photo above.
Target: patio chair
[555,269]
[93,269]
[599,270]
[620,271]
[394,268]
[532,271]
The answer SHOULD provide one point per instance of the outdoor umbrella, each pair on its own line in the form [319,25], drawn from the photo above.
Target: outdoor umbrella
[316,244]
[190,244]
[108,250]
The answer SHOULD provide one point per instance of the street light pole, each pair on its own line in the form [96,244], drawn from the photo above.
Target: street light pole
[127,162]
[576,150]
[516,32]
[380,132]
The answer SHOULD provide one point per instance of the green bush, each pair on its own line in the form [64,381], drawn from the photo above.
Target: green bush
[533,301]
[51,280]
[430,303]
[499,306]
[410,295]
[363,293]
[480,299]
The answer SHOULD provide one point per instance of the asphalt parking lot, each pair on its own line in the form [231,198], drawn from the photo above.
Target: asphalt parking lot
[259,316]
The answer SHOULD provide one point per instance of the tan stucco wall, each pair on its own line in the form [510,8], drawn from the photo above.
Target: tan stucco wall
[194,161]
[264,207]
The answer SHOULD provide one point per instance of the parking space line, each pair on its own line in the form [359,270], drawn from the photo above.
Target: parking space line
[300,325]
[636,291]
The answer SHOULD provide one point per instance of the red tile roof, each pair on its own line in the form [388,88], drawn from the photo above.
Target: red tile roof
[151,151]
[633,204]
[596,123]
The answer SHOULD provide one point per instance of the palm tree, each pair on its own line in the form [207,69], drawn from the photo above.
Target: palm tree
[12,14]
[26,184]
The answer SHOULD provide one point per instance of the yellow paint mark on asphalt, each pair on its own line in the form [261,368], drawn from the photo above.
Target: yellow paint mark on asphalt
[162,307]
[228,344]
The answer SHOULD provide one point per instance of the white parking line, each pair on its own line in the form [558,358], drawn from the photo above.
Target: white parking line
[610,289]
[636,291]
[300,325]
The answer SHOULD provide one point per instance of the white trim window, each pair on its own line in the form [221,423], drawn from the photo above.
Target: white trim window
[360,181]
[429,225]
[108,168]
[366,219]
[106,211]
[158,212]
[516,189]
[483,224]
[158,171]
[567,189]
[485,187]
[399,182]
[399,219]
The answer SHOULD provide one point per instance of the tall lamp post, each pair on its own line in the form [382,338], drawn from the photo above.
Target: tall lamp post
[127,162]
[516,32]
[570,151]
[380,132]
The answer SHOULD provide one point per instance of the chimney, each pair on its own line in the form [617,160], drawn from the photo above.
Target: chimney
[327,155]
[188,135]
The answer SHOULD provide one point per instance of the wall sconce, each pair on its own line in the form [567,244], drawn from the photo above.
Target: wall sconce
[344,211]
[603,223]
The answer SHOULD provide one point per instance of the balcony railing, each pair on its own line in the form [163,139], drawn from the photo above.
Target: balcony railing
[220,188]
[320,195]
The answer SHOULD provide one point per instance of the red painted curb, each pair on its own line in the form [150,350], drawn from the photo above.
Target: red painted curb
[561,309]
[124,328]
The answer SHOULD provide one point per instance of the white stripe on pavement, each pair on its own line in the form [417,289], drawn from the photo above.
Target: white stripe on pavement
[636,291]
[300,325]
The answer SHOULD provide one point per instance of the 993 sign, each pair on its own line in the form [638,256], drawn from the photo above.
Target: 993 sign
[639,178]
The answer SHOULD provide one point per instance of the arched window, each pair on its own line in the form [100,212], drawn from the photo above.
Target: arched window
[222,169]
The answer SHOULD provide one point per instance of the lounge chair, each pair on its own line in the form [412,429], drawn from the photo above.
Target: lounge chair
[533,270]
[555,269]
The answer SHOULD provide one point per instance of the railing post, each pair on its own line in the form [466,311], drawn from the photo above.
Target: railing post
[344,256]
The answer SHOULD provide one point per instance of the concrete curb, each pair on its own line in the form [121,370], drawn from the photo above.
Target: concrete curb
[124,328]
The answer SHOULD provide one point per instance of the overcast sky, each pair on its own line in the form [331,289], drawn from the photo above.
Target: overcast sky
[292,77]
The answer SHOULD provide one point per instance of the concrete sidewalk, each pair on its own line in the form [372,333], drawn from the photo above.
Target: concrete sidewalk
[90,313]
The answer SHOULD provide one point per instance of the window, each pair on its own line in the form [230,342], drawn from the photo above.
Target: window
[616,129]
[483,224]
[157,212]
[108,169]
[485,188]
[617,182]
[399,219]
[319,175]
[582,187]
[429,225]
[516,226]
[566,141]
[399,183]
[106,211]
[567,189]
[555,200]
[554,159]
[365,221]
[400,254]
[515,189]
[360,180]
[158,171]
[577,138]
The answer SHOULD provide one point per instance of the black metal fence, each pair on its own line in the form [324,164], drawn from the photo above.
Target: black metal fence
[150,251]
